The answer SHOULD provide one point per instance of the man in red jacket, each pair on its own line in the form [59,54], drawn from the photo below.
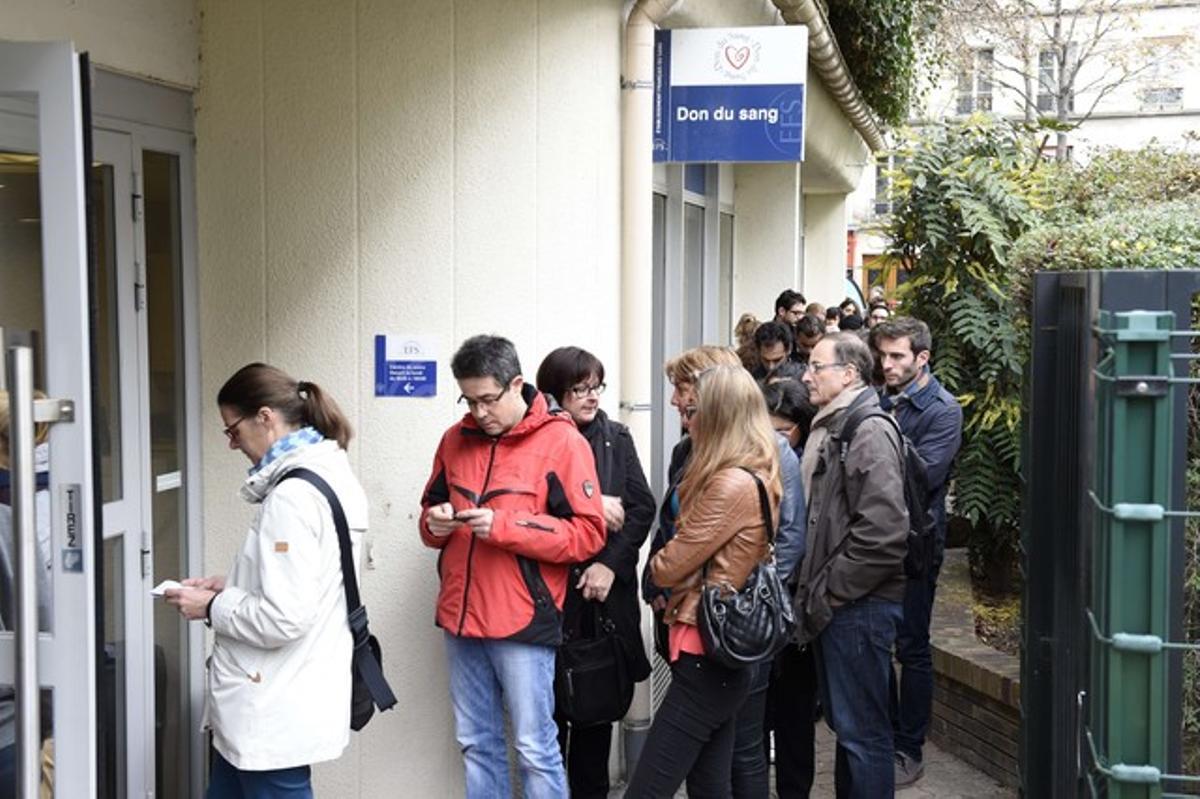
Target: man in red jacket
[512,502]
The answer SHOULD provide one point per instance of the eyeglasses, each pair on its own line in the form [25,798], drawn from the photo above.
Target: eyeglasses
[482,402]
[816,367]
[583,390]
[230,430]
[785,429]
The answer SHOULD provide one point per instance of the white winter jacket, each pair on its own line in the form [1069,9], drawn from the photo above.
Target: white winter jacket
[279,673]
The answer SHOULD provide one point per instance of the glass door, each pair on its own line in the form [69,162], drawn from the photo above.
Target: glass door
[45,313]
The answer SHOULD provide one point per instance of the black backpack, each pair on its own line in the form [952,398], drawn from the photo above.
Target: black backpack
[922,529]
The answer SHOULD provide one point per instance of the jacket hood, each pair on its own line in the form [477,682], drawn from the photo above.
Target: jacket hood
[314,456]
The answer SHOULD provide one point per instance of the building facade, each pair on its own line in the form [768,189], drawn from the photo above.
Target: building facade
[284,181]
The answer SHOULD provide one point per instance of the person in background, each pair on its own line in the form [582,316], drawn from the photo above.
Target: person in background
[8,566]
[851,584]
[575,379]
[815,309]
[743,334]
[792,693]
[774,342]
[849,307]
[279,676]
[878,313]
[851,322]
[808,332]
[932,419]
[833,317]
[719,523]
[789,307]
[512,501]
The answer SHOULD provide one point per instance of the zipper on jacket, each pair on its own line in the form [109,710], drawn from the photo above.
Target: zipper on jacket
[487,477]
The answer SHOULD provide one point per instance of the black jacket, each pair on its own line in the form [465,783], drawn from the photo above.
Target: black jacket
[621,475]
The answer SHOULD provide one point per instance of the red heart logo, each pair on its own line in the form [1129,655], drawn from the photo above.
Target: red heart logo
[737,56]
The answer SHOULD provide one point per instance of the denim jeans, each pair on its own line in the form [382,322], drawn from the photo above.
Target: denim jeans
[854,659]
[692,734]
[912,694]
[227,782]
[488,677]
[750,776]
[791,715]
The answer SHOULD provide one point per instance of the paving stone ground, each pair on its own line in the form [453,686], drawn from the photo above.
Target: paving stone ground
[946,777]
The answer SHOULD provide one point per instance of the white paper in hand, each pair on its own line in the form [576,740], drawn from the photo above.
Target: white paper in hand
[161,588]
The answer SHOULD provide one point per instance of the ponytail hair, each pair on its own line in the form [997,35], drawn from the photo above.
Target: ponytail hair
[299,402]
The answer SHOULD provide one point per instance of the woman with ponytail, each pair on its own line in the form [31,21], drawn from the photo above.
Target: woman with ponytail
[720,524]
[278,695]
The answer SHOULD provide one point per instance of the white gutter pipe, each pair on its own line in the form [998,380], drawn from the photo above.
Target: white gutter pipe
[637,285]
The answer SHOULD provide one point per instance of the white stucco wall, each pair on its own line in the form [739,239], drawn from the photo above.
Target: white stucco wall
[425,167]
[768,240]
[825,248]
[155,39]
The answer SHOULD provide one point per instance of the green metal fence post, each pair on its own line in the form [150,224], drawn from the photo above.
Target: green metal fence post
[1131,567]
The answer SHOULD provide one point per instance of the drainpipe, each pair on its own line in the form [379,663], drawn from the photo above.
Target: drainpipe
[637,313]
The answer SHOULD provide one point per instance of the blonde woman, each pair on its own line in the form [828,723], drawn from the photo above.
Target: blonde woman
[720,524]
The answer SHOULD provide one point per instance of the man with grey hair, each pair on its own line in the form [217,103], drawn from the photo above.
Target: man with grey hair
[851,584]
[513,500]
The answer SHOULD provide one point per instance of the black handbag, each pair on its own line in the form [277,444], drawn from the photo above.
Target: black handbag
[369,688]
[592,679]
[741,628]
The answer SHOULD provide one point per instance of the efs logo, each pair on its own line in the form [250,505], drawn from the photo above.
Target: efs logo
[736,56]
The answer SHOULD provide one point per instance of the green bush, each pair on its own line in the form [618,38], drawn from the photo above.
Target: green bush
[879,40]
[1161,236]
[964,194]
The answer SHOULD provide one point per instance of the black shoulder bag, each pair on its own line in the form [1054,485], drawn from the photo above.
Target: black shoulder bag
[741,628]
[369,687]
[592,679]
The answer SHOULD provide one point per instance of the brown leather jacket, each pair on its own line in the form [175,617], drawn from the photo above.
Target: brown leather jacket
[725,525]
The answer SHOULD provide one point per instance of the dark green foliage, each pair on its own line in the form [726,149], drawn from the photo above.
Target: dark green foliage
[879,40]
[964,194]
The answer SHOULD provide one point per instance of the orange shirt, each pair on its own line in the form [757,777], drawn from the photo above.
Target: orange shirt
[683,637]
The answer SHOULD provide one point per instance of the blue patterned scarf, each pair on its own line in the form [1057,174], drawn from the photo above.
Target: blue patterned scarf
[305,436]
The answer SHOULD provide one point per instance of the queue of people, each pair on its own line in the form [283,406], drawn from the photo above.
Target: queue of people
[538,507]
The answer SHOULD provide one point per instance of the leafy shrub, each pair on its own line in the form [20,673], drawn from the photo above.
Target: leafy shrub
[963,195]
[879,40]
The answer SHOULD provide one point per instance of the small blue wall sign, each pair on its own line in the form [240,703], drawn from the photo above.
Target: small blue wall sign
[405,366]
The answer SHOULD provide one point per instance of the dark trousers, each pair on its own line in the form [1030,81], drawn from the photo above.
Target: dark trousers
[692,734]
[585,753]
[791,715]
[912,694]
[750,775]
[854,659]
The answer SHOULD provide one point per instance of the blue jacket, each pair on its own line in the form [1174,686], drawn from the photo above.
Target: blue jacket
[932,420]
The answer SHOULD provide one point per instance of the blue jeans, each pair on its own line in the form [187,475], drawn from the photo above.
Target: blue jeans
[488,677]
[227,782]
[854,659]
[912,694]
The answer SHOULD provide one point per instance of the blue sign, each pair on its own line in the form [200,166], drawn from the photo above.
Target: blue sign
[405,366]
[730,94]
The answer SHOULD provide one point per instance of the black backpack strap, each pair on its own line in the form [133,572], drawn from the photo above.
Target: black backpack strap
[349,578]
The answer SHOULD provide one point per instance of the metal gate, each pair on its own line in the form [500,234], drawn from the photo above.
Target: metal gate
[1105,465]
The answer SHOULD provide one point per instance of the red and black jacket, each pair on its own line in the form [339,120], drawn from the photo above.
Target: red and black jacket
[540,480]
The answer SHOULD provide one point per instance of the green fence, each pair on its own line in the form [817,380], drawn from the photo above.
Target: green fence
[1124,712]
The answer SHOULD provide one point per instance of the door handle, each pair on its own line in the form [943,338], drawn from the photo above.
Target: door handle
[20,440]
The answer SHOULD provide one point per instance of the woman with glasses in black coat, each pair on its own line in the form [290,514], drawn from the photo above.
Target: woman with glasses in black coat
[575,379]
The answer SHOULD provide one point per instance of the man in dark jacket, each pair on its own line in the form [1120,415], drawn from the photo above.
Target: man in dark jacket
[932,419]
[851,583]
[513,500]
